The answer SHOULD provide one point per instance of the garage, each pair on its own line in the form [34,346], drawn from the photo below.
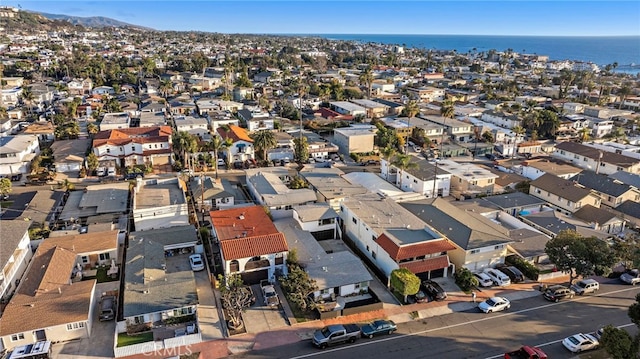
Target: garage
[64,167]
[254,277]
[161,160]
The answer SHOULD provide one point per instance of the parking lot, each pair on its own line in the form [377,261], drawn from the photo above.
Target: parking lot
[261,318]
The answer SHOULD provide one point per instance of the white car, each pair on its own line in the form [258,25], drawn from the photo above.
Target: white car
[494,304]
[580,342]
[498,278]
[483,279]
[417,149]
[196,262]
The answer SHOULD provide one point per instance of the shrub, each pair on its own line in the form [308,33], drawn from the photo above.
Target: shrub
[465,279]
[528,269]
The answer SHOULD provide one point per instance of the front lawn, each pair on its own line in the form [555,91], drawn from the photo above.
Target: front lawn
[125,339]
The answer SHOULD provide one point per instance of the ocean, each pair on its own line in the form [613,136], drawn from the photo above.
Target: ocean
[624,50]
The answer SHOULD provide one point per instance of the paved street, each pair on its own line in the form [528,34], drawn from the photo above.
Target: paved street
[473,334]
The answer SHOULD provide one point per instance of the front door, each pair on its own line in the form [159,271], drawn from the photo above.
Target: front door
[40,335]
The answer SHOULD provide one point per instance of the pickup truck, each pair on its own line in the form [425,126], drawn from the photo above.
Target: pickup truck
[107,307]
[334,334]
[269,294]
[526,352]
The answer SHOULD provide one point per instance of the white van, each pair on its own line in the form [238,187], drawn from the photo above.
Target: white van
[499,278]
[111,171]
[101,171]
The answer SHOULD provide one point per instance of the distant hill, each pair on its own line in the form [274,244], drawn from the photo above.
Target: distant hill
[92,21]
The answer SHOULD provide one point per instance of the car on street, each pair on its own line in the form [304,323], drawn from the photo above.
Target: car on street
[584,286]
[494,304]
[483,279]
[434,290]
[580,342]
[598,333]
[555,293]
[196,262]
[378,327]
[631,277]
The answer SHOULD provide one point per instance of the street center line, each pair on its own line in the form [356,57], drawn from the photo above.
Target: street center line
[402,336]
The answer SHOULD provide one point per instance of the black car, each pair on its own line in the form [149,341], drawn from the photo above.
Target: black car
[513,273]
[17,177]
[434,290]
[133,175]
[556,293]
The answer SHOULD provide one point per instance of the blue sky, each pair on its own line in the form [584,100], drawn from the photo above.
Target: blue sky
[508,17]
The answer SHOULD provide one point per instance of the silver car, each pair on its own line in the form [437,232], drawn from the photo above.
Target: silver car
[631,277]
[585,286]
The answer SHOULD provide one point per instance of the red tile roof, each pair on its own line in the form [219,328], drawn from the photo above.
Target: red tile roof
[399,253]
[247,232]
[236,133]
[426,265]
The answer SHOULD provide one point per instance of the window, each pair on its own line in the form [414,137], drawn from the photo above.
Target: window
[367,248]
[537,191]
[355,221]
[576,157]
[474,251]
[490,180]
[108,150]
[182,311]
[373,238]
[139,319]
[16,337]
[133,148]
[85,259]
[104,256]
[75,326]
[324,291]
[500,246]
[373,254]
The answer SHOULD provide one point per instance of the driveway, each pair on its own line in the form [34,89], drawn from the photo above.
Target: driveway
[100,344]
[261,318]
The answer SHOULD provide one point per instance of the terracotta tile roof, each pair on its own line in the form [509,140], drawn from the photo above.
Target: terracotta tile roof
[426,265]
[236,133]
[83,243]
[247,247]
[398,253]
[124,136]
[247,232]
[45,298]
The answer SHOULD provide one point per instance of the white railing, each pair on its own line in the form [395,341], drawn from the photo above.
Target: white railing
[148,347]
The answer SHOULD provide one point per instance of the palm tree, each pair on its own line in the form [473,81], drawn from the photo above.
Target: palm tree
[403,162]
[387,152]
[264,140]
[27,98]
[166,86]
[447,110]
[585,134]
[185,143]
[623,92]
[518,130]
[366,77]
[215,145]
[92,128]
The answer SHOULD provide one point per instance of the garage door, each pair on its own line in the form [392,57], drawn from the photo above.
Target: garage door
[161,160]
[254,277]
[67,167]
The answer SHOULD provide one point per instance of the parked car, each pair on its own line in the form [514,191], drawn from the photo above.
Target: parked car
[107,307]
[133,175]
[585,286]
[526,352]
[16,177]
[598,333]
[631,277]
[196,262]
[378,327]
[513,273]
[101,171]
[111,171]
[334,334]
[483,279]
[269,293]
[555,293]
[498,277]
[421,297]
[580,342]
[494,304]
[434,290]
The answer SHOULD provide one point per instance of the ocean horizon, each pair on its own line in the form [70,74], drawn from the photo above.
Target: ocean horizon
[600,50]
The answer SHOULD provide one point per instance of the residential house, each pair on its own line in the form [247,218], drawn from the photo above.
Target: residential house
[373,109]
[501,119]
[479,242]
[552,222]
[391,237]
[355,139]
[426,93]
[242,145]
[115,120]
[424,178]
[209,194]
[159,203]
[102,203]
[329,185]
[534,168]
[596,160]
[47,305]
[99,248]
[394,108]
[628,211]
[457,130]
[348,108]
[318,219]
[341,277]
[79,87]
[612,192]
[15,255]
[250,244]
[17,152]
[198,126]
[103,90]
[69,155]
[135,146]
[44,131]
[619,148]
[152,119]
[468,179]
[601,219]
[10,96]
[563,195]
[378,185]
[256,120]
[221,118]
[601,127]
[208,106]
[269,187]
[318,147]
[400,126]
[159,284]
[517,203]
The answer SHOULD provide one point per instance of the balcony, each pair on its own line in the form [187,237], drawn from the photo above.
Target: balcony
[263,263]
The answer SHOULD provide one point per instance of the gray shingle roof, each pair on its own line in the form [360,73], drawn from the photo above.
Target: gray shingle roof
[601,183]
[594,153]
[514,200]
[561,187]
[590,214]
[11,232]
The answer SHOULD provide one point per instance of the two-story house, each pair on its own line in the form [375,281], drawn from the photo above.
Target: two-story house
[425,178]
[209,194]
[457,130]
[198,126]
[115,120]
[501,119]
[391,237]
[159,203]
[479,242]
[595,159]
[242,145]
[563,195]
[15,255]
[256,120]
[135,146]
[250,244]
[17,152]
[269,187]
[468,179]
[612,192]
